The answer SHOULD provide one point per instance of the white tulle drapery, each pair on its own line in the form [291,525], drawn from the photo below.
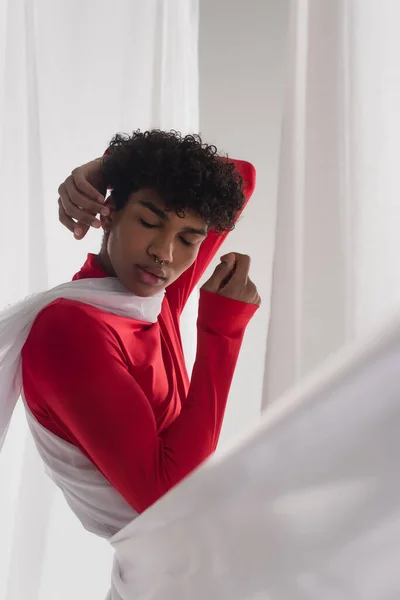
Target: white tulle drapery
[338,213]
[71,75]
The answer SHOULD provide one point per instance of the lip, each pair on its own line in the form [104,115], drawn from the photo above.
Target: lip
[154,271]
[151,275]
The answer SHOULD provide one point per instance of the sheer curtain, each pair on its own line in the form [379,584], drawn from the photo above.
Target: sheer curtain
[338,215]
[71,75]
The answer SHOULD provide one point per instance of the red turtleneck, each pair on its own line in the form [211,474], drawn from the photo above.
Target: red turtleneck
[118,389]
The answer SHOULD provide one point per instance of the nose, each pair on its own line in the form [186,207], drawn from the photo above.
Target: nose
[162,247]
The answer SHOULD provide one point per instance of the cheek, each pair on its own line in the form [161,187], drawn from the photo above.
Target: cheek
[127,239]
[184,258]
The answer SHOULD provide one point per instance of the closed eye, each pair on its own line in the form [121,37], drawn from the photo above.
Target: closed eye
[151,226]
[185,242]
[148,225]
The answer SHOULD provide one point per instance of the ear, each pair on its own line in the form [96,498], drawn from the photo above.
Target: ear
[107,221]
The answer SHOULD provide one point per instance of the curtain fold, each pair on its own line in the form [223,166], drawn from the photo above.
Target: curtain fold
[337,242]
[71,75]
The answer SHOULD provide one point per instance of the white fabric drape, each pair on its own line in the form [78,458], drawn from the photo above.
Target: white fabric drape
[338,212]
[71,75]
[305,508]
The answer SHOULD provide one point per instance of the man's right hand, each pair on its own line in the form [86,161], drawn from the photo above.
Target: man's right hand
[231,279]
[81,198]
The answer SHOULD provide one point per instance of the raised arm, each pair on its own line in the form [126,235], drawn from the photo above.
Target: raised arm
[179,292]
[82,194]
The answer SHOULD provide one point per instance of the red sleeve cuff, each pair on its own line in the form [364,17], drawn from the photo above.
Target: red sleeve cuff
[222,315]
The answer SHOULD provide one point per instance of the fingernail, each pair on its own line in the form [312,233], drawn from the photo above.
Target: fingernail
[77,232]
[96,224]
[105,211]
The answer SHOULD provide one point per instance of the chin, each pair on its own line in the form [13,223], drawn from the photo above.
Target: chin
[143,291]
[141,283]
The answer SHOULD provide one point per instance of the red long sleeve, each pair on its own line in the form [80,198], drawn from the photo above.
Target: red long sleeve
[181,289]
[84,376]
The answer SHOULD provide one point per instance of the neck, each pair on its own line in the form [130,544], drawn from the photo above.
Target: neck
[105,263]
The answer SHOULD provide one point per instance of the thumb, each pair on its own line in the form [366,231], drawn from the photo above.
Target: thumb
[220,274]
[80,231]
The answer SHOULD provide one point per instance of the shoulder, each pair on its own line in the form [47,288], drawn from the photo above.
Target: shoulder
[67,323]
[63,314]
[63,308]
[69,341]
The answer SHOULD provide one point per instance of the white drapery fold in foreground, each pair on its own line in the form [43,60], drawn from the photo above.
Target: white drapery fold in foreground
[306,508]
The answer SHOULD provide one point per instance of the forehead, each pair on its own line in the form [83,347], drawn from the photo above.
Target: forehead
[150,200]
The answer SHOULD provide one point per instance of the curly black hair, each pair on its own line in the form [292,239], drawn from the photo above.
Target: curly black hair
[188,175]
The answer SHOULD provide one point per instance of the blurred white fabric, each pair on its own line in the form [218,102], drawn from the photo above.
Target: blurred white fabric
[338,215]
[71,75]
[307,508]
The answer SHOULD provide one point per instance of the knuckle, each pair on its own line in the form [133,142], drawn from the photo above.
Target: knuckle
[61,211]
[74,212]
[83,219]
[69,182]
[79,183]
[79,179]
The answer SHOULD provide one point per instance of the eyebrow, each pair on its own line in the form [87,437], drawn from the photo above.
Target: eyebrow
[194,230]
[157,211]
[163,215]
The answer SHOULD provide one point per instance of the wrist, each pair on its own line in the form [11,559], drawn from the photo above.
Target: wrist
[224,316]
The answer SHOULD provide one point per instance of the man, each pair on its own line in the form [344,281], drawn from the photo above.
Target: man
[113,391]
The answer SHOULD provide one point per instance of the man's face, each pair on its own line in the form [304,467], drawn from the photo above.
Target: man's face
[142,232]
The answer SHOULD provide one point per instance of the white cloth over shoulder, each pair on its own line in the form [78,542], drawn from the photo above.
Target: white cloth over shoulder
[307,508]
[106,293]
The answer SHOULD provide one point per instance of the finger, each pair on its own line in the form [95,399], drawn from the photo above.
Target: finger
[252,288]
[80,231]
[87,190]
[229,258]
[81,201]
[216,280]
[77,229]
[242,268]
[64,218]
[74,211]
